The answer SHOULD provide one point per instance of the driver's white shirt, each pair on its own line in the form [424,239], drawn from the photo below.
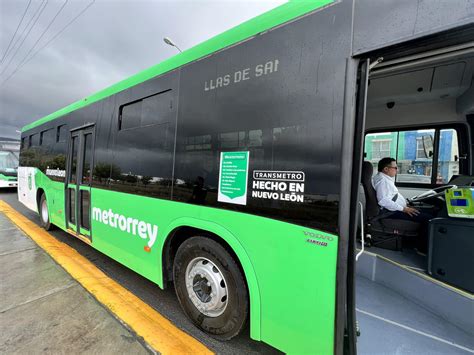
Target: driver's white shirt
[385,188]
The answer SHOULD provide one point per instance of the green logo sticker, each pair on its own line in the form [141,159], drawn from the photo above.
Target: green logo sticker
[233,176]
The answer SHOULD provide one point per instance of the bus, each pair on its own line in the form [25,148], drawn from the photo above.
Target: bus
[9,155]
[232,170]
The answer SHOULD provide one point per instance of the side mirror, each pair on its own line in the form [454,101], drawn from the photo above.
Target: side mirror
[428,145]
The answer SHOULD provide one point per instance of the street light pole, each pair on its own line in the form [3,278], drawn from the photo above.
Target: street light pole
[169,42]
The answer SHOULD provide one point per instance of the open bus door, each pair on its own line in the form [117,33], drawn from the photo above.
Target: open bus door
[78,182]
[351,328]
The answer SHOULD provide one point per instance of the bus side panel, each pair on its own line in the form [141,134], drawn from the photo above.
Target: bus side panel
[135,158]
[30,181]
[279,97]
[381,23]
[27,187]
[43,166]
[295,279]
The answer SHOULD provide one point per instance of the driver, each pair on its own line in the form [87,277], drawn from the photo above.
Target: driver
[389,199]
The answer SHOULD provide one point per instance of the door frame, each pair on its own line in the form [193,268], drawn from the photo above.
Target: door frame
[78,186]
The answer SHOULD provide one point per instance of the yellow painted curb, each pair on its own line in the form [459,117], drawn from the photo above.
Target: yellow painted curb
[155,329]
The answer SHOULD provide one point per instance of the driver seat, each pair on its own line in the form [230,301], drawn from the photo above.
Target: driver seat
[382,231]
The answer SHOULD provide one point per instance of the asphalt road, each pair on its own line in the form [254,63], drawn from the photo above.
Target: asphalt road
[164,301]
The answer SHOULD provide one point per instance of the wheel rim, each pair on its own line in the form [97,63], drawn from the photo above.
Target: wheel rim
[44,211]
[207,287]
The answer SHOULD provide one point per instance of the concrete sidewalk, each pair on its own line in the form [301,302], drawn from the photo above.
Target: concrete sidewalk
[44,310]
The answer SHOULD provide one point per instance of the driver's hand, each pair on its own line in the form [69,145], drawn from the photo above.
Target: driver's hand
[412,212]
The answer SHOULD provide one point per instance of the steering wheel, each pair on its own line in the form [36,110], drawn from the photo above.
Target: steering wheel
[436,192]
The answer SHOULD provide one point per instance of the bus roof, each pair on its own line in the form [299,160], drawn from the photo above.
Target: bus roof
[281,14]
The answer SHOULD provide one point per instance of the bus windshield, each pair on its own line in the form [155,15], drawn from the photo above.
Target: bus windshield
[8,163]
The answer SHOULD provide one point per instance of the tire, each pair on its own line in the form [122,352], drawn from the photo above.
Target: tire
[220,309]
[44,213]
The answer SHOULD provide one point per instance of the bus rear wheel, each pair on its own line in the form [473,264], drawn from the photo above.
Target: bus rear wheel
[210,287]
[44,213]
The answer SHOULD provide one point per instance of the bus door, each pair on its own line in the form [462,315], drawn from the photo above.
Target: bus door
[78,182]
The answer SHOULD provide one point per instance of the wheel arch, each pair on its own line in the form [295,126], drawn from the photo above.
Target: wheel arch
[183,228]
[40,191]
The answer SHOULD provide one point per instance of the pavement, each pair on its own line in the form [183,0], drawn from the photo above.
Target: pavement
[43,309]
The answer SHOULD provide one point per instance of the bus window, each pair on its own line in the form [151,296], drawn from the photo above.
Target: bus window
[61,134]
[155,109]
[87,163]
[414,151]
[8,162]
[415,163]
[72,205]
[47,138]
[414,158]
[34,140]
[130,116]
[448,157]
[72,173]
[148,111]
[85,207]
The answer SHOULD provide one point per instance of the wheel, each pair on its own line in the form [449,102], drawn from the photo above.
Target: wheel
[210,287]
[44,213]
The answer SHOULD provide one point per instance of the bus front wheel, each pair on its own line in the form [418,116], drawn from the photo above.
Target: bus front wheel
[44,213]
[210,287]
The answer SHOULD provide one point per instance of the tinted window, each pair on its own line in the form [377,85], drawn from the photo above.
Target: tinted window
[34,140]
[47,138]
[142,161]
[72,205]
[74,148]
[30,155]
[85,208]
[148,111]
[142,157]
[278,136]
[103,148]
[61,133]
[155,109]
[131,115]
[87,163]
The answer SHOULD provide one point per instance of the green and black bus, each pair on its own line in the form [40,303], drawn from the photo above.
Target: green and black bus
[232,170]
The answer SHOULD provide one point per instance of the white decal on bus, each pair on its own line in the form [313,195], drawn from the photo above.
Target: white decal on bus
[130,225]
[278,185]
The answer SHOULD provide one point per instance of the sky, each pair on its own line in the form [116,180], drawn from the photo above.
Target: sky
[55,52]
